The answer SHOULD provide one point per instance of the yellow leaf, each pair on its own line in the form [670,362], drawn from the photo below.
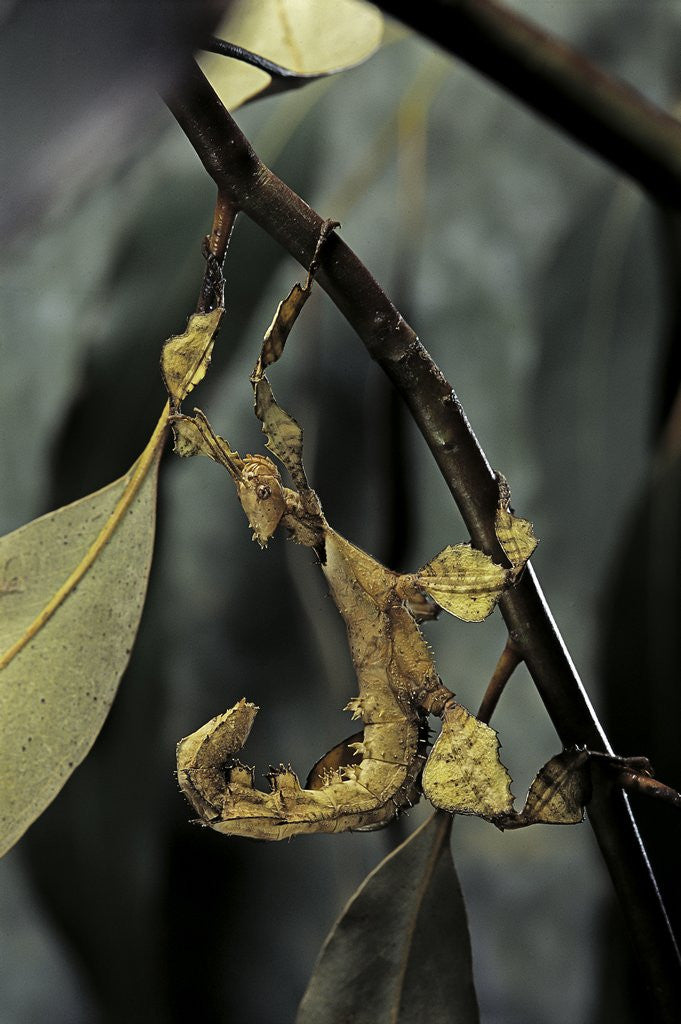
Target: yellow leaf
[185,358]
[308,36]
[68,623]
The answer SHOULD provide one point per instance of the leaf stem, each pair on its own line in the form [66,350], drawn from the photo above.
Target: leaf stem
[137,476]
[289,79]
[230,160]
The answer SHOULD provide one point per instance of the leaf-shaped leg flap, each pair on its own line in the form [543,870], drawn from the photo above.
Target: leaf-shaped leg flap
[195,436]
[284,434]
[516,537]
[463,581]
[282,324]
[185,357]
[560,791]
[464,774]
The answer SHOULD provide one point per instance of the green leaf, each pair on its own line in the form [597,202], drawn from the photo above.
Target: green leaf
[308,36]
[72,587]
[400,952]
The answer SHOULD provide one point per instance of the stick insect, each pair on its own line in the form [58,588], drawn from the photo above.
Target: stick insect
[369,778]
[366,780]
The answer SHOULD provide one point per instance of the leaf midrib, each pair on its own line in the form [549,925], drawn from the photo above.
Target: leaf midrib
[443,827]
[137,478]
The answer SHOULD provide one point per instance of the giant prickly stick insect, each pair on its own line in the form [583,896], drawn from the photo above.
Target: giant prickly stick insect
[365,781]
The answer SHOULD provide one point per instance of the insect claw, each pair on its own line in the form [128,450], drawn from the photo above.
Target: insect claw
[355,706]
[331,777]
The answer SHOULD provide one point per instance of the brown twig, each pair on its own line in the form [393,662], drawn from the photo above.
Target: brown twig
[509,660]
[635,774]
[230,160]
[635,782]
[215,246]
[598,110]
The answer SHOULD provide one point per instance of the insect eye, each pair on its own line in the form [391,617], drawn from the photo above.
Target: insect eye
[263,491]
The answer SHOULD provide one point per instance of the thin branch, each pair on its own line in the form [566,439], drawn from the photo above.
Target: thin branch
[637,783]
[230,160]
[509,660]
[598,110]
[635,774]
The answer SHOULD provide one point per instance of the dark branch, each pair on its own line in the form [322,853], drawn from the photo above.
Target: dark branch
[252,187]
[599,111]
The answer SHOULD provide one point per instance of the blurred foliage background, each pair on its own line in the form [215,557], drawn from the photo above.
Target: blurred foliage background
[545,289]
